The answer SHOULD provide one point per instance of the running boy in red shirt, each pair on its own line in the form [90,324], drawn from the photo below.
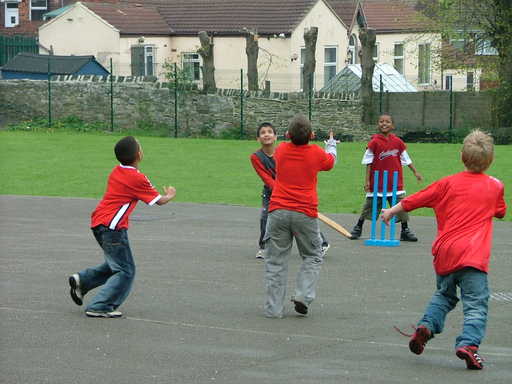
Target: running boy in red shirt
[109,224]
[265,166]
[293,214]
[385,151]
[464,204]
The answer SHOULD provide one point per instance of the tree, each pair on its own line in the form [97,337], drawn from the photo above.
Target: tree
[479,23]
[208,68]
[252,50]
[367,36]
[310,36]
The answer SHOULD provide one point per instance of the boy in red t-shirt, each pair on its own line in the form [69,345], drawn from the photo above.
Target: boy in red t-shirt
[464,204]
[293,214]
[109,224]
[385,151]
[265,166]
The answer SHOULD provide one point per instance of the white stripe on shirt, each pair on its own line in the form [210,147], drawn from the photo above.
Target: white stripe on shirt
[119,216]
[368,156]
[152,202]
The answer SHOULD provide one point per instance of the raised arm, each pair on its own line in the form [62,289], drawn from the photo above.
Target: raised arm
[170,193]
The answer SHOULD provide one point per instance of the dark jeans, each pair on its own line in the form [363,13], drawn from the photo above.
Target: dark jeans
[265,201]
[115,275]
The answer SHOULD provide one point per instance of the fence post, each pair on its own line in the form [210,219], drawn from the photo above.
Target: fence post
[111,96]
[450,133]
[175,100]
[49,94]
[381,89]
[241,103]
[310,97]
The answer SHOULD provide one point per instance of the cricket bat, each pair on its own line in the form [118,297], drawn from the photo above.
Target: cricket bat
[334,225]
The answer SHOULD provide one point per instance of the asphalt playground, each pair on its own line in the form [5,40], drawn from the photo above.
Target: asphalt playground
[195,312]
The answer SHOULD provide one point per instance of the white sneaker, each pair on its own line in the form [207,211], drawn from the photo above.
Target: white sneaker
[111,314]
[325,248]
[259,254]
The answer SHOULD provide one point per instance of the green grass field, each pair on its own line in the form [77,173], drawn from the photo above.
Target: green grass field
[203,170]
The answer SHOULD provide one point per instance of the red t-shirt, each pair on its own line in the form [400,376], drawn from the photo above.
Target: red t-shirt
[262,171]
[126,186]
[464,204]
[387,152]
[297,167]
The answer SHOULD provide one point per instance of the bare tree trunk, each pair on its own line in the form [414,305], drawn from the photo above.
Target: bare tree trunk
[367,38]
[208,68]
[252,49]
[310,37]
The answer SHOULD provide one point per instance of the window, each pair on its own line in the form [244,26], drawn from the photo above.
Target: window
[352,50]
[330,63]
[375,53]
[424,64]
[484,48]
[398,59]
[143,63]
[191,64]
[11,15]
[448,82]
[37,9]
[470,81]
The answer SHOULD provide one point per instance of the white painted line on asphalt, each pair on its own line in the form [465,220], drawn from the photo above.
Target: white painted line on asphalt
[268,333]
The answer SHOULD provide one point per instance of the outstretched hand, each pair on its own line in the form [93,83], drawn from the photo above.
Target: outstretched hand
[331,138]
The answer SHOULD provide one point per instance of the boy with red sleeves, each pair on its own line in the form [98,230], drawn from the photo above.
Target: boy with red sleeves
[109,224]
[293,214]
[385,151]
[464,205]
[265,166]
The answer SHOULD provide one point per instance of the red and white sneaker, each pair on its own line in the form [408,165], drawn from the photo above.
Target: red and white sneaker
[469,353]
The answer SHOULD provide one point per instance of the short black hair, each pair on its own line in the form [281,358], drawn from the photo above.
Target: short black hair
[126,150]
[264,125]
[299,130]
[386,114]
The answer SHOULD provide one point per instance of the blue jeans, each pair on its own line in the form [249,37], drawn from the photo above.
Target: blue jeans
[115,275]
[474,292]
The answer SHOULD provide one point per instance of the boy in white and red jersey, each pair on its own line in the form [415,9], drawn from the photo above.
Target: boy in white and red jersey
[293,213]
[385,151]
[109,224]
[265,166]
[464,205]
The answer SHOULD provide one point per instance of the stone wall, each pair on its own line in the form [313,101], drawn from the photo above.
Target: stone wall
[146,104]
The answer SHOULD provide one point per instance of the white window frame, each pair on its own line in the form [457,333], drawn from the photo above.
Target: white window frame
[149,54]
[399,57]
[352,50]
[39,8]
[377,49]
[429,65]
[332,63]
[472,87]
[483,47]
[185,60]
[448,82]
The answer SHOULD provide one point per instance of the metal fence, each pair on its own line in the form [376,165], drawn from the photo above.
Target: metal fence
[10,46]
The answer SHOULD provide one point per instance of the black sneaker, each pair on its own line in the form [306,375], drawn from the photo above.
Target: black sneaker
[356,232]
[75,291]
[407,235]
[469,353]
[111,314]
[300,307]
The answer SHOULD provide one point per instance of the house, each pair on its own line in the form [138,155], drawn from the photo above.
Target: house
[140,39]
[24,17]
[36,67]
[349,80]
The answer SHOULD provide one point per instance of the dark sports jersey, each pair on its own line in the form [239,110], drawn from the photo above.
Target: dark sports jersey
[126,186]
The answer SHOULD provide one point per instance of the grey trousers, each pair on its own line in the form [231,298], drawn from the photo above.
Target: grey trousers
[282,227]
